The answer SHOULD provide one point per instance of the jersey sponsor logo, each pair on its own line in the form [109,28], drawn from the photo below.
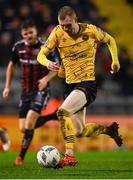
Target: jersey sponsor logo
[28,61]
[22,51]
[64,40]
[78,56]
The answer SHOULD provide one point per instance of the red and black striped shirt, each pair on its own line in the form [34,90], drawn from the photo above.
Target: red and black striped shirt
[31,70]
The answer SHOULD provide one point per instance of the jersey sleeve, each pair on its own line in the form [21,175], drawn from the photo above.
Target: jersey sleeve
[102,36]
[48,47]
[51,42]
[14,55]
[54,56]
[99,33]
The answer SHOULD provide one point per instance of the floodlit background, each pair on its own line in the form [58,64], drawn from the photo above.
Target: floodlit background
[115,95]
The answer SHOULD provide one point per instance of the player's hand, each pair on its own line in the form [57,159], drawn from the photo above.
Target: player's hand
[53,66]
[6,92]
[114,68]
[42,83]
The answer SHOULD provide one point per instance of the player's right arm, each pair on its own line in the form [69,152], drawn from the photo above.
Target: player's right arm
[9,76]
[42,59]
[46,49]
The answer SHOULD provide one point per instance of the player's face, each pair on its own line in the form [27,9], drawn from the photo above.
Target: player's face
[29,35]
[69,25]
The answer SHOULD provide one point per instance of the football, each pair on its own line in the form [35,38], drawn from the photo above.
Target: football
[48,156]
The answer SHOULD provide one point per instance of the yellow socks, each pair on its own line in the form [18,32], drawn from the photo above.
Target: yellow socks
[67,128]
[93,129]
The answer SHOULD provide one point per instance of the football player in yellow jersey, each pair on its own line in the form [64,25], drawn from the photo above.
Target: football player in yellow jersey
[77,43]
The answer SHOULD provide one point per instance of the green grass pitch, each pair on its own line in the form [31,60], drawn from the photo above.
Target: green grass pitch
[116,164]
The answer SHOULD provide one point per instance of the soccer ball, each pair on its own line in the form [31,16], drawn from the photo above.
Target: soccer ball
[48,156]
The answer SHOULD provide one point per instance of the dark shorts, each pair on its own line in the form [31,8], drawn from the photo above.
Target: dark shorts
[88,87]
[35,101]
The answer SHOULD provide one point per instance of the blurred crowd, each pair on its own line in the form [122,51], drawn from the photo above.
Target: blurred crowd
[44,13]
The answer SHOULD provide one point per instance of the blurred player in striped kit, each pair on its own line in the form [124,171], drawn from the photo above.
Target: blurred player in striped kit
[34,82]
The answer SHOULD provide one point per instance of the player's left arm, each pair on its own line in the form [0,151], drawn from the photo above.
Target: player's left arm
[104,37]
[110,41]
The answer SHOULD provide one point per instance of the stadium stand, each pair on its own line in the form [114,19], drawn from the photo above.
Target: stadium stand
[119,14]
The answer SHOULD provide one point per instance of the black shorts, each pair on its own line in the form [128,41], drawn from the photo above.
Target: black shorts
[88,87]
[34,100]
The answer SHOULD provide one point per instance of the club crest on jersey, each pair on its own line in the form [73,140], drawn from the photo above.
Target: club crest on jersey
[85,37]
[64,39]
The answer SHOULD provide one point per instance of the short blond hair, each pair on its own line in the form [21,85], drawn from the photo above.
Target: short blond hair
[66,11]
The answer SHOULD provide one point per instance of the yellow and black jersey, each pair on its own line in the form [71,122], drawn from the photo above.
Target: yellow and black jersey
[77,53]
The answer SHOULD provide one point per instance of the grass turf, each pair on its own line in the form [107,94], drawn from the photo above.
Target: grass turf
[92,165]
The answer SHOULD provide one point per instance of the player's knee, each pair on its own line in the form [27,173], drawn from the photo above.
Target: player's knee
[62,112]
[29,124]
[22,129]
[37,108]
